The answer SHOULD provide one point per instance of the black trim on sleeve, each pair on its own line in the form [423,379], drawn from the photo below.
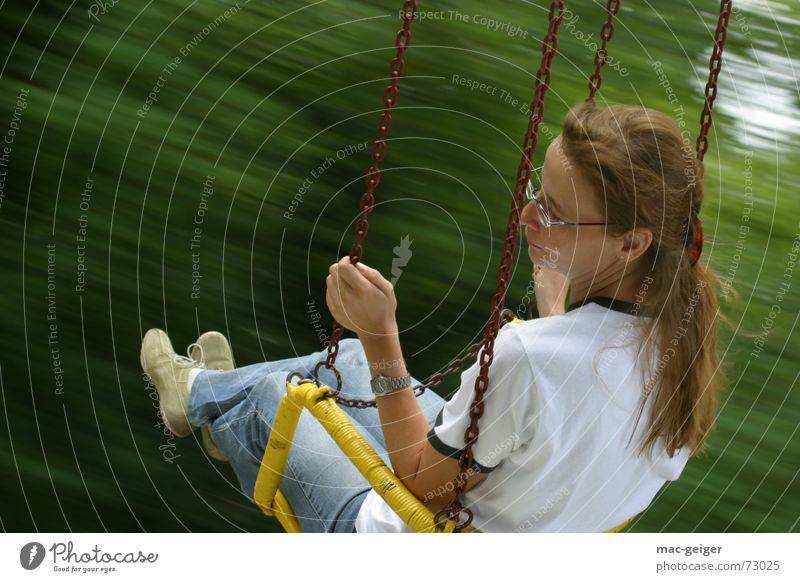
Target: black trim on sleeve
[449,451]
[438,421]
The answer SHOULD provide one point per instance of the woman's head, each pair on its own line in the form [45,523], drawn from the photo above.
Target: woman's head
[631,169]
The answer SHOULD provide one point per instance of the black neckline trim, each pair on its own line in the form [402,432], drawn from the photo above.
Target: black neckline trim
[608,303]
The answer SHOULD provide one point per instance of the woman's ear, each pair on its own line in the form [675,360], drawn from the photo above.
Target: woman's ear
[635,242]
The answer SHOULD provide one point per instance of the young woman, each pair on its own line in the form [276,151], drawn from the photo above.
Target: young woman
[591,407]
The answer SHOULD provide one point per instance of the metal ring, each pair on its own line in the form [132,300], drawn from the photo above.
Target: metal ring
[437,518]
[292,374]
[508,314]
[461,526]
[444,512]
[335,371]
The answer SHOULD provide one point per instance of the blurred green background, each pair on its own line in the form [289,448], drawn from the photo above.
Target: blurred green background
[259,98]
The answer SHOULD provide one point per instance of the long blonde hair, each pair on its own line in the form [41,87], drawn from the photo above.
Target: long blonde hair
[646,175]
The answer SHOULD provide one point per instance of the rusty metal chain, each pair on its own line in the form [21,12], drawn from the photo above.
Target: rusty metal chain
[436,379]
[695,242]
[714,67]
[549,46]
[601,56]
[378,152]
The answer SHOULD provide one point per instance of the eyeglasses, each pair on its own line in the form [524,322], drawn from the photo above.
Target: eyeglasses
[533,193]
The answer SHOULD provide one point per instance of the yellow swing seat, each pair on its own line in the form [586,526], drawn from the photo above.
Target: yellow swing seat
[308,395]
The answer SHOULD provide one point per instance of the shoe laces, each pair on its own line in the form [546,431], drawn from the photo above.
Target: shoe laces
[188,360]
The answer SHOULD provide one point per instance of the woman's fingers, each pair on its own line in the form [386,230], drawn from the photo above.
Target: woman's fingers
[361,277]
[331,302]
[352,278]
[374,276]
[339,278]
[358,298]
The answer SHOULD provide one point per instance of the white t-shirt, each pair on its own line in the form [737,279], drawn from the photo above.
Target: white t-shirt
[554,434]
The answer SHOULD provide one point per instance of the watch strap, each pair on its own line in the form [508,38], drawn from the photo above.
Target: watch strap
[381,384]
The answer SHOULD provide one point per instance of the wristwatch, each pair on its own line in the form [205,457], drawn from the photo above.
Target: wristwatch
[382,385]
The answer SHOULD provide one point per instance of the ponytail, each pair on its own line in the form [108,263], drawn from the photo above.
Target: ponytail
[686,376]
[645,175]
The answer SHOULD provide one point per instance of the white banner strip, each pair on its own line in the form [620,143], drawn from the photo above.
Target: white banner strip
[402,557]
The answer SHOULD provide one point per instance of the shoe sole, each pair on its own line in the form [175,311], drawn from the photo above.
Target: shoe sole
[211,447]
[161,412]
[219,341]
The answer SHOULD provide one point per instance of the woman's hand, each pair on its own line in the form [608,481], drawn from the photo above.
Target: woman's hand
[361,299]
[550,291]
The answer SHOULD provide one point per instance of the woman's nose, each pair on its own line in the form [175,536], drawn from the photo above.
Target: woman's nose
[530,216]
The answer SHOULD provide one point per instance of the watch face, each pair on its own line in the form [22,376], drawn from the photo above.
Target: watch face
[381,386]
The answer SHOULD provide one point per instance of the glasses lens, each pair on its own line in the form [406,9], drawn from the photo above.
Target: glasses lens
[534,193]
[534,183]
[530,190]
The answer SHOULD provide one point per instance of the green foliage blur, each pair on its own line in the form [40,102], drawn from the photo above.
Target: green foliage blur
[119,117]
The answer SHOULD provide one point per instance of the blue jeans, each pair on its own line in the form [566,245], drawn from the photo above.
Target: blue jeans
[324,488]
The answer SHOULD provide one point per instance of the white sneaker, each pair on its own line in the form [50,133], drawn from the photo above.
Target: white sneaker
[213,348]
[169,373]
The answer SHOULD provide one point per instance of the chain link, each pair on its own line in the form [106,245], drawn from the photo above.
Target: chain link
[714,67]
[601,56]
[378,152]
